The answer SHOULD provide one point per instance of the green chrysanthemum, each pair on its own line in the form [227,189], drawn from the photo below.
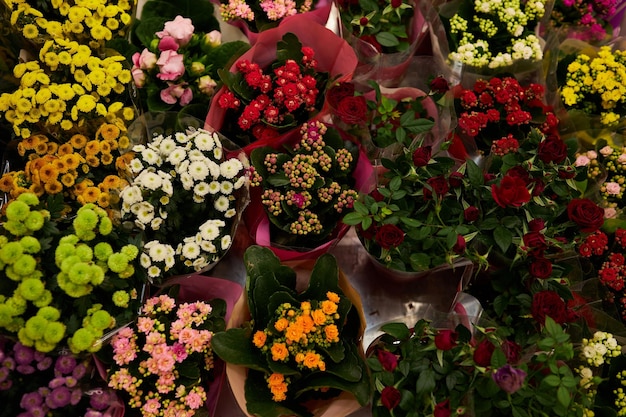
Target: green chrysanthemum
[117,262]
[35,327]
[54,333]
[28,198]
[44,300]
[17,211]
[10,252]
[80,273]
[102,251]
[84,252]
[31,289]
[25,265]
[49,313]
[82,340]
[101,320]
[121,298]
[34,221]
[30,244]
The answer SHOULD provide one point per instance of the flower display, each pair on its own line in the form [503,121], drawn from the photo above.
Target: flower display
[298,345]
[33,383]
[262,15]
[587,21]
[489,35]
[164,362]
[593,84]
[306,190]
[188,170]
[64,287]
[178,66]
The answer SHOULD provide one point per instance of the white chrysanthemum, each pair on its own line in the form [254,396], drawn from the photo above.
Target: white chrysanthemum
[199,170]
[177,156]
[135,165]
[131,195]
[208,246]
[159,251]
[156,223]
[218,152]
[167,188]
[183,166]
[226,242]
[141,206]
[181,137]
[139,148]
[221,204]
[204,141]
[167,146]
[149,180]
[200,264]
[226,187]
[145,260]
[198,199]
[201,189]
[145,214]
[186,180]
[196,155]
[231,168]
[241,181]
[190,250]
[230,213]
[214,187]
[151,157]
[154,271]
[211,229]
[170,261]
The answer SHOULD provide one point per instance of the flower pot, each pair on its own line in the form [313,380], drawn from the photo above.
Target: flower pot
[342,405]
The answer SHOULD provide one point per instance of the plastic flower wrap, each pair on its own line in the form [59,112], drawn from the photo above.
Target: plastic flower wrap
[584,20]
[178,65]
[306,189]
[164,363]
[279,83]
[299,348]
[54,384]
[186,194]
[83,169]
[65,282]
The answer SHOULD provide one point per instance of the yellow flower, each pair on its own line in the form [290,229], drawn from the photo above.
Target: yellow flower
[318,316]
[66,124]
[78,141]
[275,379]
[112,24]
[100,33]
[332,296]
[294,332]
[43,95]
[332,333]
[279,352]
[30,31]
[311,360]
[86,103]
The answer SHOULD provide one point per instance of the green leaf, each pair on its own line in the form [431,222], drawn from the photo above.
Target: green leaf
[387,39]
[324,277]
[474,173]
[552,380]
[425,382]
[503,238]
[398,330]
[353,218]
[234,346]
[563,396]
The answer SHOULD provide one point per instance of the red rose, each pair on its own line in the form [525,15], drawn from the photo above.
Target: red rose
[552,149]
[456,179]
[377,196]
[471,214]
[567,172]
[442,409]
[388,360]
[519,172]
[390,397]
[483,352]
[512,351]
[535,239]
[459,246]
[586,214]
[446,339]
[367,234]
[538,187]
[352,110]
[438,185]
[339,92]
[536,225]
[439,85]
[389,236]
[548,303]
[540,268]
[371,39]
[422,155]
[511,192]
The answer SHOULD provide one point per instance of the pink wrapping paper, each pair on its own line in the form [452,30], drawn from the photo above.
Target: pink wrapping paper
[333,54]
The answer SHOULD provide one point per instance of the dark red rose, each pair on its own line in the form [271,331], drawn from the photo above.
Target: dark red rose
[512,191]
[519,172]
[442,409]
[512,351]
[483,352]
[488,176]
[352,110]
[445,339]
[376,195]
[339,92]
[368,234]
[422,155]
[459,246]
[548,303]
[552,149]
[456,179]
[567,172]
[540,268]
[389,236]
[586,214]
[535,239]
[438,184]
[390,397]
[388,360]
[471,214]
[538,187]
[536,225]
[439,85]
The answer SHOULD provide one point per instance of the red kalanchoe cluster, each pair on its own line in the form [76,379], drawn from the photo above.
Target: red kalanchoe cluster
[502,105]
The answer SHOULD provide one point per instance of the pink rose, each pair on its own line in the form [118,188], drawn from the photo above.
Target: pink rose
[177,93]
[181,29]
[171,66]
[139,77]
[145,60]
[167,43]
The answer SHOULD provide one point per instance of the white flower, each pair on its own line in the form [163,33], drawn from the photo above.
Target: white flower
[154,271]
[156,223]
[159,251]
[145,213]
[221,204]
[145,260]
[231,168]
[214,187]
[200,263]
[167,146]
[230,213]
[208,246]
[177,156]
[131,194]
[218,153]
[201,189]
[198,170]
[226,187]
[149,180]
[182,137]
[196,155]
[211,229]
[151,157]
[167,188]
[204,140]
[183,166]
[190,250]
[241,181]
[187,180]
[226,242]
[135,165]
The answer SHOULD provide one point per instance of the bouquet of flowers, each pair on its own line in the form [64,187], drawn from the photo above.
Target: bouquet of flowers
[186,195]
[34,383]
[279,83]
[587,21]
[299,347]
[307,189]
[164,362]
[450,372]
[591,83]
[178,65]
[491,36]
[501,109]
[64,282]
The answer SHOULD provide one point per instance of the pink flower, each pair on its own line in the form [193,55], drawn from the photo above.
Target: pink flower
[612,188]
[181,29]
[582,161]
[177,93]
[145,60]
[195,399]
[167,43]
[139,77]
[171,66]
[145,324]
[151,407]
[207,85]
[213,38]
